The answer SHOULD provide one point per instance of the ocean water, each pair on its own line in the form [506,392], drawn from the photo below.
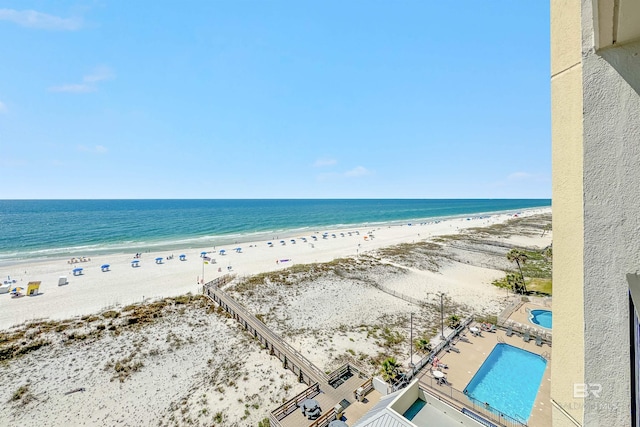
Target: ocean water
[60,228]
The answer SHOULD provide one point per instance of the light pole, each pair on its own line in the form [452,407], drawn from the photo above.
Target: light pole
[411,342]
[441,316]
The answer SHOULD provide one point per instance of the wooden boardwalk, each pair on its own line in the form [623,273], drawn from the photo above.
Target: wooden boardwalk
[306,371]
[329,390]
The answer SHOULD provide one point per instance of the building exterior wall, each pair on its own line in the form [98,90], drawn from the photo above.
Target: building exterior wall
[596,212]
[567,368]
[611,82]
[407,398]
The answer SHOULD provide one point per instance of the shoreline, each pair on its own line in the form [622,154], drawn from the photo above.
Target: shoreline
[186,244]
[95,290]
[134,341]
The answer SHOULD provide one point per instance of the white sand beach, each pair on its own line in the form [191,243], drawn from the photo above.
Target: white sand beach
[122,284]
[181,362]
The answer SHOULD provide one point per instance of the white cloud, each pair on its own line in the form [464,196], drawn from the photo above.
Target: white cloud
[98,149]
[324,162]
[3,108]
[353,173]
[39,20]
[99,74]
[73,88]
[89,81]
[357,171]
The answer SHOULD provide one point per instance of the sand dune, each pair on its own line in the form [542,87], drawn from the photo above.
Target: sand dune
[188,364]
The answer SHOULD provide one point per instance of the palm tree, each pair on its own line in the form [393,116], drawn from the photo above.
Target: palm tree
[423,345]
[513,282]
[545,229]
[453,321]
[520,258]
[390,369]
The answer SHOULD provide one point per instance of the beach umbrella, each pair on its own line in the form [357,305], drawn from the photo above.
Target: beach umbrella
[105,267]
[77,271]
[17,289]
[202,254]
[135,263]
[270,243]
[183,257]
[159,260]
[222,251]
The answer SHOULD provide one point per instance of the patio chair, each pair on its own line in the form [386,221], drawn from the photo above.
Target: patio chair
[509,331]
[526,337]
[539,341]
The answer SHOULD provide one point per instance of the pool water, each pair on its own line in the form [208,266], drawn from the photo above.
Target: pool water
[541,317]
[508,381]
[414,409]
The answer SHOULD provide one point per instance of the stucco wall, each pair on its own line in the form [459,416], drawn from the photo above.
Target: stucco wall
[567,157]
[611,96]
[407,398]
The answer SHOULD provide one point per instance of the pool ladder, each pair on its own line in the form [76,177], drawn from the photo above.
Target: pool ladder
[546,355]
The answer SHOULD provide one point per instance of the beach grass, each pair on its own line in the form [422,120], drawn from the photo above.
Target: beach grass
[542,286]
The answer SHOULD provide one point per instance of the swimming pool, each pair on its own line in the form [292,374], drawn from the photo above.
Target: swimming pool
[508,381]
[541,317]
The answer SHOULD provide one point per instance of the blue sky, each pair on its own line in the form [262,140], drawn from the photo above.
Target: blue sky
[274,99]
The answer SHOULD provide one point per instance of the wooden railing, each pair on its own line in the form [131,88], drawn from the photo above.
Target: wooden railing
[325,419]
[291,358]
[292,404]
[366,386]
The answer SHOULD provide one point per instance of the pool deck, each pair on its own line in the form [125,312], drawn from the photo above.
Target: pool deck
[463,366]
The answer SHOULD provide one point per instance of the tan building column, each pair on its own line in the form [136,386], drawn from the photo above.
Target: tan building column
[567,362]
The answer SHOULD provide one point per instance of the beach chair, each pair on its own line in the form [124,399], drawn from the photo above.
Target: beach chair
[509,331]
[539,341]
[526,337]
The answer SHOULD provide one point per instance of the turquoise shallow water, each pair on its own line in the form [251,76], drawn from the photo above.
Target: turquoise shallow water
[60,228]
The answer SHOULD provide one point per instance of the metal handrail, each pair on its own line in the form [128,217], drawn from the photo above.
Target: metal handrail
[465,401]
